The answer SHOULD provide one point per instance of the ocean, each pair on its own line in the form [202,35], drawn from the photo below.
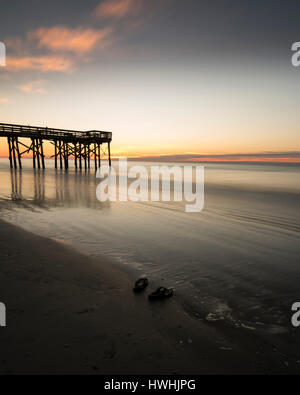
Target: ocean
[235,264]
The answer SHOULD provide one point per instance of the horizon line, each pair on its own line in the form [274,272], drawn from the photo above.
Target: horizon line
[247,158]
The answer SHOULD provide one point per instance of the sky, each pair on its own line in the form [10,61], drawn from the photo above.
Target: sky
[186,79]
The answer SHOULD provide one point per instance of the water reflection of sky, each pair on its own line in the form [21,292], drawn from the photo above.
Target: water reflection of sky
[232,263]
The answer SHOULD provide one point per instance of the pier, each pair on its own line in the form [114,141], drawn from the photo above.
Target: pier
[83,147]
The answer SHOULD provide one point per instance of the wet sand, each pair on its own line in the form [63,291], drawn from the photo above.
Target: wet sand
[68,313]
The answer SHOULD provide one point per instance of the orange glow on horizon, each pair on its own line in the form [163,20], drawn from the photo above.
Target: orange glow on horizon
[168,158]
[172,155]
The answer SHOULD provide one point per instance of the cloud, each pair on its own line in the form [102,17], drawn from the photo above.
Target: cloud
[4,100]
[33,87]
[70,43]
[118,9]
[289,156]
[40,63]
[79,40]
[60,48]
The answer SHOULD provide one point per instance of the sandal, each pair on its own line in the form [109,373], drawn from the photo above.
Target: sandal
[161,293]
[141,285]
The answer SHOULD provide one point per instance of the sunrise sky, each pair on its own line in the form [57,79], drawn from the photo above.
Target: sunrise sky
[179,78]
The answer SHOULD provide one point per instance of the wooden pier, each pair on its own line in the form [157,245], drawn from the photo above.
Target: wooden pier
[83,147]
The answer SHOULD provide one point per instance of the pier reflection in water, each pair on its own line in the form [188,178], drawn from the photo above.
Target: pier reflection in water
[37,188]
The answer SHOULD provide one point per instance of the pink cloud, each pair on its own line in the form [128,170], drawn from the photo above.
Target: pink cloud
[40,63]
[60,48]
[33,87]
[80,40]
[118,9]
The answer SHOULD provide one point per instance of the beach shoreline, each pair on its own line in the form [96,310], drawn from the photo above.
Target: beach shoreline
[68,313]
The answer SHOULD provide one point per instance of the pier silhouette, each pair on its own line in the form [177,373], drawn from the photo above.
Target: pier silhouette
[82,146]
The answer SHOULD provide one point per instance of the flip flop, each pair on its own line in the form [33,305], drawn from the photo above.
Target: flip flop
[161,293]
[141,285]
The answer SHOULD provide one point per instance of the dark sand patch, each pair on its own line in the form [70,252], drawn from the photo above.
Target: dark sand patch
[70,314]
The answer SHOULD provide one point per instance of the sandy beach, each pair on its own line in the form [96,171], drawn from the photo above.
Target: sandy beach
[70,314]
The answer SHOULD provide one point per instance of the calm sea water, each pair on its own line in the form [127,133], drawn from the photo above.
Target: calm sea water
[236,263]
